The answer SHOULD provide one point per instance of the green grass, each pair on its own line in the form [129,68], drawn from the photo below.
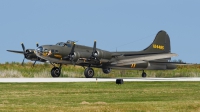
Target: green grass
[43,70]
[100,97]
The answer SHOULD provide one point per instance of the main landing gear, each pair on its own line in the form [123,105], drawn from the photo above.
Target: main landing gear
[144,74]
[89,72]
[56,71]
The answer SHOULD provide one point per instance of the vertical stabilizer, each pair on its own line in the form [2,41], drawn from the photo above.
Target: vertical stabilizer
[161,44]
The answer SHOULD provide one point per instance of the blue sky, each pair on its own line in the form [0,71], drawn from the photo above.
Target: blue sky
[115,24]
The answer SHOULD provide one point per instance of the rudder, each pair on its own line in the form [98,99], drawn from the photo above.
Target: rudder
[161,44]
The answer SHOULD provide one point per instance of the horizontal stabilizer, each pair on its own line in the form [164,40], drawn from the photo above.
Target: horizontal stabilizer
[144,58]
[174,63]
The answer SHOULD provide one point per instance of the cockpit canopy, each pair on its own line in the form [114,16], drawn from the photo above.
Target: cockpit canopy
[61,44]
[68,43]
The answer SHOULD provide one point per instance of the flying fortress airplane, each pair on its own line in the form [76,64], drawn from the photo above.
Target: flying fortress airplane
[156,56]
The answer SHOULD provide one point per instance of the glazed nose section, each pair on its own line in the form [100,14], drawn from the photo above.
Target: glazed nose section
[39,50]
[43,51]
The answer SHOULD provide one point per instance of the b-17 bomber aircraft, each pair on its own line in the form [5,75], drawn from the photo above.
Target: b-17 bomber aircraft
[156,56]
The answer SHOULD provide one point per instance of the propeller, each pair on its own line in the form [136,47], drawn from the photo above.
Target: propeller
[94,49]
[37,45]
[71,54]
[94,52]
[23,47]
[72,51]
[27,53]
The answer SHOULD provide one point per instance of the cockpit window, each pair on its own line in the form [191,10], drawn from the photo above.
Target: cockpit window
[61,44]
[68,45]
[70,42]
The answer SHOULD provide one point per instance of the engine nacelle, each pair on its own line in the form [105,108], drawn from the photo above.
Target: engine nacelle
[106,70]
[78,55]
[100,54]
[30,50]
[30,54]
[171,66]
[104,54]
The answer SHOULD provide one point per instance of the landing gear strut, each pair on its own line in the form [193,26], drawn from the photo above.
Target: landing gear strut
[55,71]
[144,74]
[89,72]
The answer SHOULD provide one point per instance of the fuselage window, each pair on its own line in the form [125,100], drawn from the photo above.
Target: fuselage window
[45,50]
[56,51]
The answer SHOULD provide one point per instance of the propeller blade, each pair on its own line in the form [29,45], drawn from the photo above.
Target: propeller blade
[94,47]
[34,63]
[72,51]
[94,50]
[23,47]
[23,62]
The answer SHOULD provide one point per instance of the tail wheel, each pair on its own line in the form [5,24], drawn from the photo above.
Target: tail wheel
[106,70]
[55,72]
[89,72]
[144,74]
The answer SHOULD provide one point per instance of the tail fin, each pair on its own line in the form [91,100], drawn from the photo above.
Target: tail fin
[161,44]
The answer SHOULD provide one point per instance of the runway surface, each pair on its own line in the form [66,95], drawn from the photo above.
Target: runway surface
[25,80]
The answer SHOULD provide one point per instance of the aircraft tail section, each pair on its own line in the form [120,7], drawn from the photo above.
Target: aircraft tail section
[161,44]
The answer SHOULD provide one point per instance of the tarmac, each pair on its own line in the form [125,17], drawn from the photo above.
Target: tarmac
[32,80]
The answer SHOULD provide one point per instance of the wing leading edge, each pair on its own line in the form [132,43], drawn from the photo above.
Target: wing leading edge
[20,52]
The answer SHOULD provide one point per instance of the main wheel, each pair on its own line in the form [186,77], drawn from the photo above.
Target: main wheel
[89,72]
[55,72]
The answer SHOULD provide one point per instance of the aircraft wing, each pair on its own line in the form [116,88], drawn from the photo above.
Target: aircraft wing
[20,52]
[143,58]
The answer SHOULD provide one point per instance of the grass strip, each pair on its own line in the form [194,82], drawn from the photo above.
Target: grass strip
[101,96]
